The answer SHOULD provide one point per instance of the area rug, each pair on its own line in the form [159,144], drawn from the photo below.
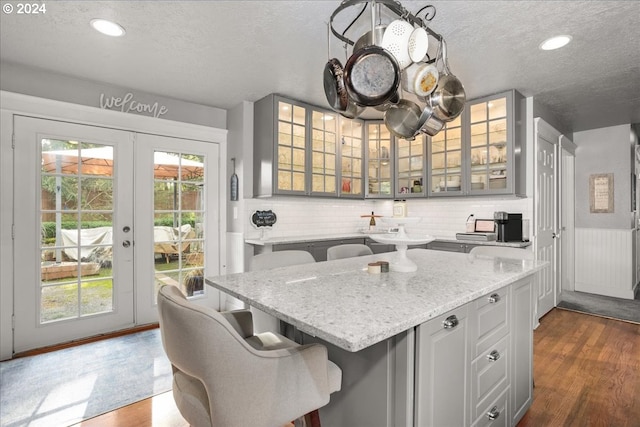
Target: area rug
[67,386]
[600,305]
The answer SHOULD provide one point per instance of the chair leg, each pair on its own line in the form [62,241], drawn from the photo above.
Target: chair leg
[312,419]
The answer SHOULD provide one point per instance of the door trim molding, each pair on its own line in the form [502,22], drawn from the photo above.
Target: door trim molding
[15,104]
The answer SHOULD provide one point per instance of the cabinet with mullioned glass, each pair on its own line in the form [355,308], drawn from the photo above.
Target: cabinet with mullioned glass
[379,167]
[495,155]
[295,148]
[481,152]
[445,150]
[351,152]
[410,167]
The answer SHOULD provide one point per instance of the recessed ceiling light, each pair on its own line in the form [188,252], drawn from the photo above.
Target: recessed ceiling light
[107,27]
[555,42]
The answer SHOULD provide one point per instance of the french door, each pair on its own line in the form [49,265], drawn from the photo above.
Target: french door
[103,217]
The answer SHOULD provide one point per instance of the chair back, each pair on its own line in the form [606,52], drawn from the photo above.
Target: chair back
[502,252]
[279,259]
[348,251]
[223,379]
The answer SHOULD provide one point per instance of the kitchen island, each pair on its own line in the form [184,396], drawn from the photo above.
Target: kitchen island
[396,334]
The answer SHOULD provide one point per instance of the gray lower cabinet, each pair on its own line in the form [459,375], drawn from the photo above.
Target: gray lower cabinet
[474,364]
[442,370]
[451,246]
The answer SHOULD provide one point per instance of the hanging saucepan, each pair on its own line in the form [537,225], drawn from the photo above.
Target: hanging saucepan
[371,76]
[385,105]
[428,123]
[448,98]
[334,88]
[403,119]
[370,38]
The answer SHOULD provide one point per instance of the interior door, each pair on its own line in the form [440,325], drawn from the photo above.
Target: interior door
[73,245]
[545,217]
[177,220]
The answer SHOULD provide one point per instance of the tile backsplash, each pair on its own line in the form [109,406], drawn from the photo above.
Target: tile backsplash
[304,216]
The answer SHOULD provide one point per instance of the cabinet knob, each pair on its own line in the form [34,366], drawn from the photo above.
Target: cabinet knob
[450,322]
[494,298]
[493,356]
[493,413]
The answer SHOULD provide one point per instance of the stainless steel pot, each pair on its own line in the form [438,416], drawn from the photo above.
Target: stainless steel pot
[403,119]
[448,98]
[428,122]
[371,76]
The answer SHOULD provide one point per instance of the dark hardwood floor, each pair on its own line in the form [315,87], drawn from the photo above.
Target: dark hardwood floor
[586,370]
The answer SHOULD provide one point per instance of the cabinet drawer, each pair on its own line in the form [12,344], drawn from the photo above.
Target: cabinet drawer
[496,413]
[490,319]
[489,375]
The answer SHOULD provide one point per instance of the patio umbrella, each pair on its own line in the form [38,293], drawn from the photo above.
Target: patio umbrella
[99,161]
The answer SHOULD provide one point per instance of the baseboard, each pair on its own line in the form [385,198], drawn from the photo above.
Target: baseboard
[86,340]
[609,292]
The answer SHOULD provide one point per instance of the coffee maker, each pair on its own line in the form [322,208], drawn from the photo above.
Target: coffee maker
[509,226]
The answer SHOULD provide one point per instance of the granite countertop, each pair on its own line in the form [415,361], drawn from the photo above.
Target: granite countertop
[361,235]
[340,302]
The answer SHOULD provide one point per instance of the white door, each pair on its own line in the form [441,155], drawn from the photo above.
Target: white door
[545,216]
[104,217]
[177,218]
[71,281]
[566,226]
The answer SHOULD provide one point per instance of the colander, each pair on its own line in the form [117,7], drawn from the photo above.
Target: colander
[396,41]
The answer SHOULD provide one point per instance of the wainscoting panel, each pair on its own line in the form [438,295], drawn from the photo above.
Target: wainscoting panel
[604,262]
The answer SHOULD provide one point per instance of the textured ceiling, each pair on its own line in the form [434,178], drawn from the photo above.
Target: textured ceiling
[219,53]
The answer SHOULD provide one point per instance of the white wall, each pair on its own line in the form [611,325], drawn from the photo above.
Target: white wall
[604,241]
[305,216]
[46,84]
[602,151]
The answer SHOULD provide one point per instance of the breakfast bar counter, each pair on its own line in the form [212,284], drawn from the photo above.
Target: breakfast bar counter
[448,344]
[340,302]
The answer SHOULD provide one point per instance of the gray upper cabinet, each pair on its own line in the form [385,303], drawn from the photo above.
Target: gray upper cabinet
[379,162]
[411,168]
[481,152]
[298,147]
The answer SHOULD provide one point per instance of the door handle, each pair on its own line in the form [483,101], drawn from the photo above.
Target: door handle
[126,243]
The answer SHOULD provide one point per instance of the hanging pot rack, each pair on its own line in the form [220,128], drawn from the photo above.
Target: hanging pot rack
[397,117]
[392,5]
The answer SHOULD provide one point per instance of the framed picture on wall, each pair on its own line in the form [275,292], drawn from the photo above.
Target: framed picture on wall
[601,193]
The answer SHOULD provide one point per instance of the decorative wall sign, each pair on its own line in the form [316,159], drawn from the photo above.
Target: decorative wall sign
[601,193]
[128,104]
[263,218]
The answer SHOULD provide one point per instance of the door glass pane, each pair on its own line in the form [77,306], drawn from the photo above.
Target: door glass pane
[77,205]
[178,232]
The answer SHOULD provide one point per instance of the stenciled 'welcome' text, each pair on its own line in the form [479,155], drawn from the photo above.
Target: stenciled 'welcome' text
[129,105]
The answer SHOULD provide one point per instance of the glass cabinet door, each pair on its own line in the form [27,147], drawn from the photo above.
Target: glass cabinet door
[351,157]
[445,149]
[410,167]
[291,147]
[488,145]
[323,153]
[379,163]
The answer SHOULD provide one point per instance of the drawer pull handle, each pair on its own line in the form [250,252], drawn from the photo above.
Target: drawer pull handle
[493,356]
[493,413]
[494,298]
[450,322]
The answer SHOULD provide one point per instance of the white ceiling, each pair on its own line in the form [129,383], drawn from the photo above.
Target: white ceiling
[219,53]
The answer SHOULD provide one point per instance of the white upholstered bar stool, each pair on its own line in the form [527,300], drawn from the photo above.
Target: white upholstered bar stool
[348,251]
[262,321]
[225,375]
